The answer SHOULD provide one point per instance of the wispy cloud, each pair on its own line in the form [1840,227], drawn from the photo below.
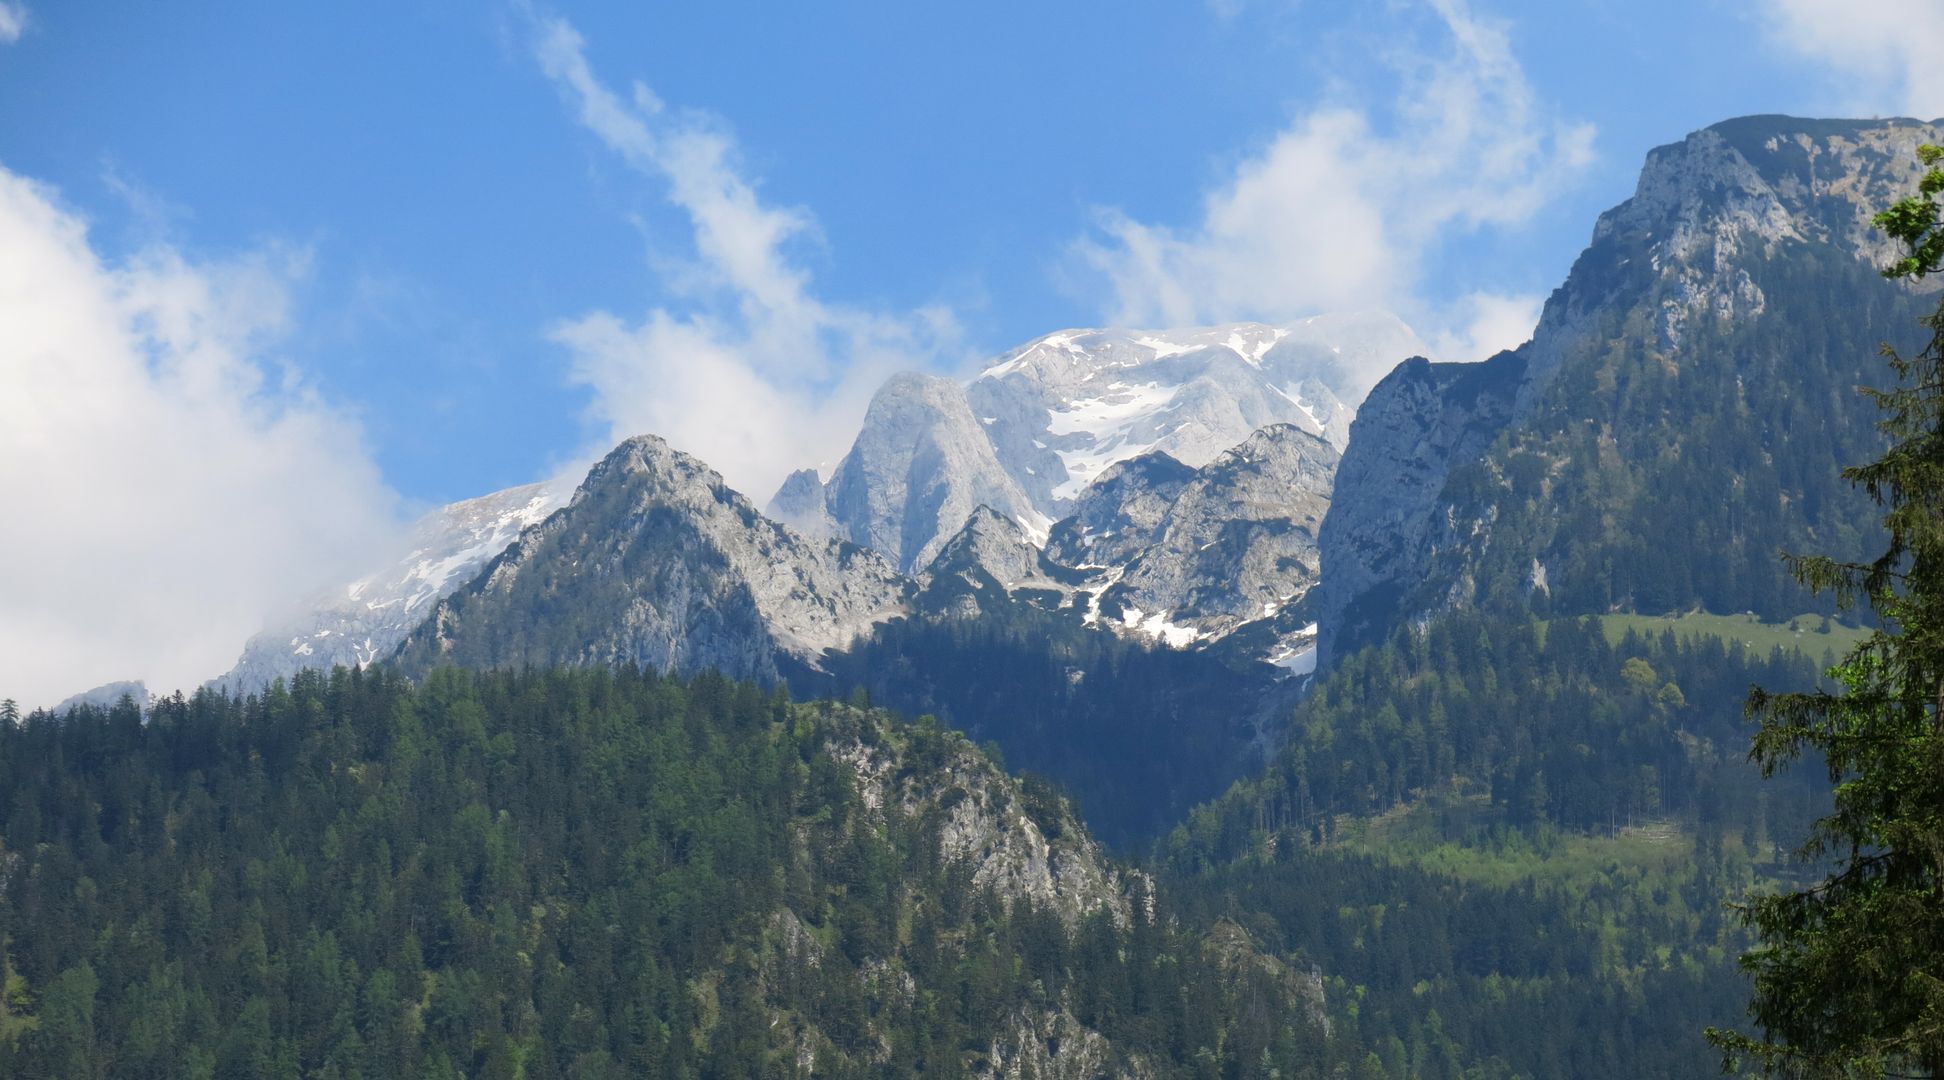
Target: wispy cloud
[13,21]
[166,483]
[743,364]
[1339,209]
[1884,53]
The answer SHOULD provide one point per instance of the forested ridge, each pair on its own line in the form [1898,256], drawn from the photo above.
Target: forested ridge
[1138,733]
[1655,479]
[605,873]
[583,873]
[1509,845]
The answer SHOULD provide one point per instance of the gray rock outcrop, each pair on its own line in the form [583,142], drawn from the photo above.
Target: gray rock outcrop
[1031,432]
[920,466]
[657,562]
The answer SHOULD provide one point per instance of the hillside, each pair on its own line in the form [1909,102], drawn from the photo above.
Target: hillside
[585,874]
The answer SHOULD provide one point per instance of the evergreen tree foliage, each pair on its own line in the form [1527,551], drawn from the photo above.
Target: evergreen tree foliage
[1849,977]
[1136,732]
[1549,723]
[1655,480]
[569,874]
[1506,845]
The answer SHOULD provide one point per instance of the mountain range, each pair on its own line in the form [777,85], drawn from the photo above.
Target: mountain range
[1231,491]
[1175,481]
[1423,679]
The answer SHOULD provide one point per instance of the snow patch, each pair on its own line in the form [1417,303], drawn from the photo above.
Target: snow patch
[1104,429]
[1300,661]
[1156,625]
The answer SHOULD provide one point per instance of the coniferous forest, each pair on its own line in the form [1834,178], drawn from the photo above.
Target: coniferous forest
[602,873]
[572,874]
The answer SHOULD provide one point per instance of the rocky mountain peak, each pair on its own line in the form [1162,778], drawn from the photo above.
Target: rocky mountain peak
[1716,222]
[364,620]
[799,503]
[1118,515]
[1239,542]
[1034,429]
[920,465]
[657,561]
[985,566]
[1706,207]
[993,542]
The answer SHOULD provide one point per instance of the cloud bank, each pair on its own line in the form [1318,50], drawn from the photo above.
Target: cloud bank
[1338,210]
[13,22]
[1885,51]
[746,366]
[165,486]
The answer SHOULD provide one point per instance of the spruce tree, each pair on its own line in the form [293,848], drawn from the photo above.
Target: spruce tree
[1849,973]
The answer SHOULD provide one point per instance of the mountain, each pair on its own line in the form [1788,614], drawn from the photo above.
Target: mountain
[918,468]
[989,564]
[1679,417]
[657,562]
[366,619]
[1030,432]
[107,696]
[1163,551]
[1237,544]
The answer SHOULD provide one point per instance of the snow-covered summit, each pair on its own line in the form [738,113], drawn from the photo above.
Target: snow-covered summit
[1029,432]
[1069,405]
[364,620]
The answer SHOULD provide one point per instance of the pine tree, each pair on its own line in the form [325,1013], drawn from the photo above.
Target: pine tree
[1849,978]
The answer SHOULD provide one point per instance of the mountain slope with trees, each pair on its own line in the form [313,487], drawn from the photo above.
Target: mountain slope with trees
[584,873]
[1679,417]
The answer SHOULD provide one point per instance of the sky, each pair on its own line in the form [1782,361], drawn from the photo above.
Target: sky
[276,278]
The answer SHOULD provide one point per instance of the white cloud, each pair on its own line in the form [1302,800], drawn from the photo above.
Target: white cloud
[1339,211]
[13,22]
[1487,323]
[749,369]
[165,488]
[1885,51]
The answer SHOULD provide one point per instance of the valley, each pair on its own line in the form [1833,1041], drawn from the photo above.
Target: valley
[1240,700]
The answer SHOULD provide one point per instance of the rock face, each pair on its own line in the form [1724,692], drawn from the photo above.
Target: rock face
[1045,1044]
[920,466]
[1162,550]
[1674,289]
[1120,514]
[1025,849]
[1031,432]
[1416,424]
[1239,541]
[366,619]
[799,503]
[987,563]
[657,562]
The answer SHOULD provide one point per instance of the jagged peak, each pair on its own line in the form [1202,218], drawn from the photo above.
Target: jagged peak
[908,388]
[1273,437]
[670,470]
[1156,467]
[985,520]
[985,533]
[1765,173]
[1107,347]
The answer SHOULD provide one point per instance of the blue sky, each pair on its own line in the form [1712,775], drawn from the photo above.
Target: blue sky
[459,245]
